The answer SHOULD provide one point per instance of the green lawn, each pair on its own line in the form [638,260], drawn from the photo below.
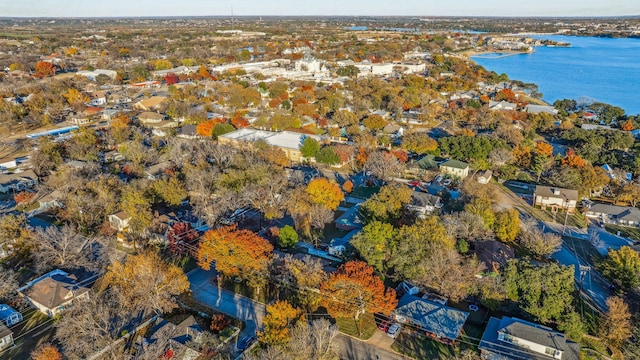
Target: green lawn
[364,192]
[349,326]
[630,232]
[419,347]
[584,249]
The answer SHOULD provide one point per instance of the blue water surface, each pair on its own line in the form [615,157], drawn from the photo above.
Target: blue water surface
[603,69]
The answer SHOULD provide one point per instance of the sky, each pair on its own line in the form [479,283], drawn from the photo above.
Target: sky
[137,8]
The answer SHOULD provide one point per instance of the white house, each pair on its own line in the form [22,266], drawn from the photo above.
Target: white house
[6,337]
[455,168]
[555,198]
[52,292]
[119,221]
[485,176]
[513,338]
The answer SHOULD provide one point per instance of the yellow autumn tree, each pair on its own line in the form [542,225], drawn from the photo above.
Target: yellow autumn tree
[616,325]
[325,193]
[146,282]
[74,96]
[279,317]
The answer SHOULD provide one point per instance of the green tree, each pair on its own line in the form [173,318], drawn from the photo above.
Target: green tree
[221,129]
[387,204]
[572,325]
[507,225]
[349,71]
[309,147]
[172,191]
[373,243]
[419,143]
[137,205]
[287,237]
[623,265]
[544,291]
[482,208]
[328,156]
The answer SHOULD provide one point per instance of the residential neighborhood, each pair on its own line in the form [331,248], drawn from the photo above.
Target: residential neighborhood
[206,189]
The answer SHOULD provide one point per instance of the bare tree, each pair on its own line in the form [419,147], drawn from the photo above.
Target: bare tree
[466,225]
[90,326]
[8,283]
[319,217]
[500,156]
[61,247]
[383,165]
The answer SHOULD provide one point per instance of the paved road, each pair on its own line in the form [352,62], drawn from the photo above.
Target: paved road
[251,313]
[227,302]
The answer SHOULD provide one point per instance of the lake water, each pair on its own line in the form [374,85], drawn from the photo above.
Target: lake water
[603,69]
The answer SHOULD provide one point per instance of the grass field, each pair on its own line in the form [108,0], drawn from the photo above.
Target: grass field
[419,347]
[630,232]
[350,326]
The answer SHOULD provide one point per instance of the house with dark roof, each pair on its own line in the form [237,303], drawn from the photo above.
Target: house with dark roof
[9,316]
[612,214]
[6,337]
[17,181]
[52,292]
[513,338]
[555,198]
[187,132]
[438,321]
[424,203]
[455,168]
[176,341]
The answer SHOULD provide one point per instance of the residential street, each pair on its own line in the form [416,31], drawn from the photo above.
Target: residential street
[252,312]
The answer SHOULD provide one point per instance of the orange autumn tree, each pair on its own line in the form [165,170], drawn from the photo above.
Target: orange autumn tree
[120,122]
[46,352]
[347,186]
[205,128]
[235,252]
[45,68]
[573,160]
[325,193]
[627,126]
[544,148]
[354,289]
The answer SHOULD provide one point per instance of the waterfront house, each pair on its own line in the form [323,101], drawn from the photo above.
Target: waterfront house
[537,109]
[52,292]
[555,198]
[513,338]
[455,168]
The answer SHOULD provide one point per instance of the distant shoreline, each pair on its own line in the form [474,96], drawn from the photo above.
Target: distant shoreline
[499,53]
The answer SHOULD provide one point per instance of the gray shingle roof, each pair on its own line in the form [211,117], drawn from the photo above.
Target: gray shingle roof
[526,331]
[548,191]
[431,316]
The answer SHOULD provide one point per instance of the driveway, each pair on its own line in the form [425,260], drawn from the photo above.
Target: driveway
[252,312]
[227,302]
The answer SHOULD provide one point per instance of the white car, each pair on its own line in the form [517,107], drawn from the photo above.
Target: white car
[393,331]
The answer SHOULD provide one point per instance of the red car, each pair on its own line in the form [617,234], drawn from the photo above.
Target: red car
[383,326]
[414,183]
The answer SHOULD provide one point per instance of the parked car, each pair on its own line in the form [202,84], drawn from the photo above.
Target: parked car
[394,330]
[383,326]
[438,178]
[245,343]
[414,183]
[447,182]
